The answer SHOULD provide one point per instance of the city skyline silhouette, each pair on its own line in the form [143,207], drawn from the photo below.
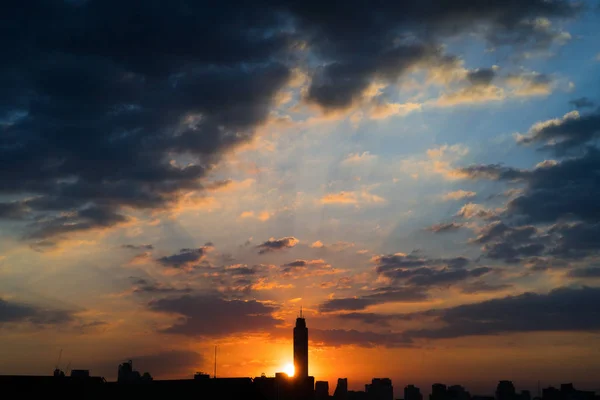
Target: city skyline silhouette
[80,383]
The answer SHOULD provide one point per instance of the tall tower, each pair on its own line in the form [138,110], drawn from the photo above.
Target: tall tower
[301,347]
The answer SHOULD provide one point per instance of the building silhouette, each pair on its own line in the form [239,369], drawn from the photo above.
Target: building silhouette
[380,389]
[322,390]
[341,390]
[438,392]
[301,347]
[457,392]
[505,391]
[411,392]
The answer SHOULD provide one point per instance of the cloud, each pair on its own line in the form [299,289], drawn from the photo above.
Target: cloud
[386,110]
[138,247]
[562,309]
[582,102]
[341,337]
[13,210]
[86,219]
[574,240]
[471,94]
[555,190]
[352,198]
[310,268]
[144,286]
[277,244]
[414,260]
[485,85]
[185,258]
[438,161]
[261,216]
[484,287]
[586,272]
[87,130]
[529,84]
[210,315]
[445,227]
[459,195]
[473,210]
[114,90]
[372,54]
[15,312]
[562,134]
[374,318]
[377,296]
[359,158]
[511,244]
[533,36]
[414,271]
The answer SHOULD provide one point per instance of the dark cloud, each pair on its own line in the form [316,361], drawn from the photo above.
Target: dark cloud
[482,76]
[377,296]
[277,244]
[309,267]
[511,244]
[582,102]
[445,227]
[562,309]
[553,191]
[242,270]
[108,121]
[575,240]
[341,337]
[11,311]
[89,120]
[498,229]
[573,131]
[144,286]
[554,216]
[484,287]
[339,84]
[209,315]
[413,260]
[86,219]
[417,270]
[13,210]
[374,318]
[184,258]
[492,171]
[396,37]
[512,253]
[586,272]
[138,246]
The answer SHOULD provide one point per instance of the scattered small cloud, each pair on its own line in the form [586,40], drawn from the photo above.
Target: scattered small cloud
[273,244]
[459,195]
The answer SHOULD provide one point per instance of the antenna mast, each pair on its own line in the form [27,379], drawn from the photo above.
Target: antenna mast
[215,373]
[59,357]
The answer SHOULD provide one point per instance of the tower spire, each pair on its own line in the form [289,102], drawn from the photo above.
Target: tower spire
[300,311]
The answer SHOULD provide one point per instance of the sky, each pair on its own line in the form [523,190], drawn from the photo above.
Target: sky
[421,177]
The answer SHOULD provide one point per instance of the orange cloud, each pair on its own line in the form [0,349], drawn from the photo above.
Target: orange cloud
[458,195]
[355,198]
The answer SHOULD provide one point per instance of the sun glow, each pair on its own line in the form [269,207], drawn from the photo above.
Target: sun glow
[289,369]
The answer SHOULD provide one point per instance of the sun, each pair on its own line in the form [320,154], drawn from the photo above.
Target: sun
[289,369]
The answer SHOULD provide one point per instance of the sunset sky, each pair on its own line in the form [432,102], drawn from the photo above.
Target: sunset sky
[421,177]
